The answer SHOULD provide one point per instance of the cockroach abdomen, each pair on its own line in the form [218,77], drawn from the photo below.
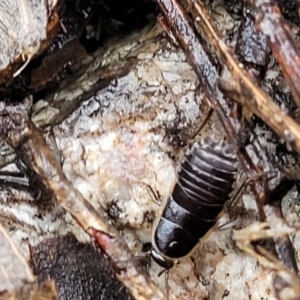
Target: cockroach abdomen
[204,185]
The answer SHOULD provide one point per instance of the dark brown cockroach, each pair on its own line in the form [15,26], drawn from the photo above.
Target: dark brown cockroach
[204,183]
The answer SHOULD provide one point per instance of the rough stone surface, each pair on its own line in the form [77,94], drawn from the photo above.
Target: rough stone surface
[131,134]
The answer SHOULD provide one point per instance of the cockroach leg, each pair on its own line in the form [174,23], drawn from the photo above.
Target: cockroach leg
[241,189]
[154,197]
[203,123]
[235,198]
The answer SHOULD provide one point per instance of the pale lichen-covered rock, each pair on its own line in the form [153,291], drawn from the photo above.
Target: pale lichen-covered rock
[121,139]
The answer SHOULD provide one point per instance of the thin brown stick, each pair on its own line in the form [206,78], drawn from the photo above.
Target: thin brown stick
[253,157]
[285,283]
[243,89]
[254,162]
[17,130]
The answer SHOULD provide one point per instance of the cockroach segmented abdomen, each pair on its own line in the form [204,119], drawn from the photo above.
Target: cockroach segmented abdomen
[204,184]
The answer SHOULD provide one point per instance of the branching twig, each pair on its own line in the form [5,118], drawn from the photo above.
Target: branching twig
[242,87]
[286,283]
[253,157]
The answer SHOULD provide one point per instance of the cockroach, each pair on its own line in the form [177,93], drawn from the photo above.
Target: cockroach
[203,186]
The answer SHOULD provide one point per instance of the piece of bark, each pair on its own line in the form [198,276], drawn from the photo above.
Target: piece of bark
[79,271]
[271,23]
[252,47]
[94,73]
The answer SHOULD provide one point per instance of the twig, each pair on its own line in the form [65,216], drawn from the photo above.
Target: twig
[17,130]
[242,88]
[253,157]
[285,283]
